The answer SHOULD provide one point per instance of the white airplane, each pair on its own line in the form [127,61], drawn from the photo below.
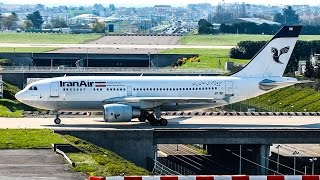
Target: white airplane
[122,98]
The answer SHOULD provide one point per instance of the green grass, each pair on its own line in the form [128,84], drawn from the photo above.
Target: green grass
[28,139]
[197,149]
[97,161]
[25,49]
[209,58]
[9,106]
[11,109]
[46,38]
[290,99]
[93,160]
[232,39]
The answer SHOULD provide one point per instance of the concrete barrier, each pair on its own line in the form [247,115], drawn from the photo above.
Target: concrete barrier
[208,177]
[191,113]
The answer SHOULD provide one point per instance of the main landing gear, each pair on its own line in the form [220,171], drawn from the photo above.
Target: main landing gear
[154,120]
[57,120]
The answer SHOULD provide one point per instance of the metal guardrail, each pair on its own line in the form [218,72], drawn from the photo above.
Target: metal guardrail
[48,69]
[190,113]
[161,169]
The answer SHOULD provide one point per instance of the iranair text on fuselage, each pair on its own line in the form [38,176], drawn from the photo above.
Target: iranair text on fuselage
[81,84]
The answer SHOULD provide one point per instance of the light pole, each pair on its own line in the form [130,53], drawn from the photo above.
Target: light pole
[312,160]
[149,61]
[269,104]
[279,107]
[294,161]
[278,158]
[87,58]
[305,170]
[240,160]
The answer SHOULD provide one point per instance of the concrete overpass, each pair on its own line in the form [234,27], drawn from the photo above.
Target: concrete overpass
[141,144]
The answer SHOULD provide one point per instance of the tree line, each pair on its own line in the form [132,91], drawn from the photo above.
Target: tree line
[204,27]
[287,17]
[34,21]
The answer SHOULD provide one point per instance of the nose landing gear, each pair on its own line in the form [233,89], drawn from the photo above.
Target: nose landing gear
[57,120]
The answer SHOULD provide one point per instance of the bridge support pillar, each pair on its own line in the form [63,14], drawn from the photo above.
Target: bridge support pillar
[228,156]
[134,145]
[263,158]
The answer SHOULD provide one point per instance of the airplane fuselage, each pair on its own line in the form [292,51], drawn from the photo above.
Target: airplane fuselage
[85,93]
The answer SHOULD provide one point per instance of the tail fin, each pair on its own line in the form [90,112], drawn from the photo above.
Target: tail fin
[273,58]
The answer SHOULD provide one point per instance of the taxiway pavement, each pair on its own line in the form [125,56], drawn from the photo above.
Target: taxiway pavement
[34,164]
[116,46]
[215,122]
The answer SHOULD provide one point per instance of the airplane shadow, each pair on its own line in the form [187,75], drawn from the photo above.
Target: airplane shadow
[123,125]
[178,122]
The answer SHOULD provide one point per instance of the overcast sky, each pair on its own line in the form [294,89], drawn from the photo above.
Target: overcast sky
[140,3]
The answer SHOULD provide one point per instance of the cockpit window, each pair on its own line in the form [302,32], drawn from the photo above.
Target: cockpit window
[33,88]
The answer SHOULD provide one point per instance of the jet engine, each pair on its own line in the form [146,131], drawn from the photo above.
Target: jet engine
[119,113]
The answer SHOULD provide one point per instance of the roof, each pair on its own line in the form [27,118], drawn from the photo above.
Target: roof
[260,21]
[94,17]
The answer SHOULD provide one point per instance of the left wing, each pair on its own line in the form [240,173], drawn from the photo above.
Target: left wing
[159,99]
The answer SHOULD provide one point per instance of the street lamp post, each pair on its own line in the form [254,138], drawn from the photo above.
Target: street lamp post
[278,158]
[312,160]
[279,106]
[149,61]
[294,161]
[240,160]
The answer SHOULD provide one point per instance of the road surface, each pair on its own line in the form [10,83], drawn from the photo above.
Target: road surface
[217,122]
[116,46]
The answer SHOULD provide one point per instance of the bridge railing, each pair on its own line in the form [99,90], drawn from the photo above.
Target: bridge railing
[62,69]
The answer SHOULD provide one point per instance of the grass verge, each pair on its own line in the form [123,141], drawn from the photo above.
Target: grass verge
[290,99]
[97,161]
[28,138]
[9,106]
[209,58]
[197,149]
[46,38]
[93,160]
[232,39]
[25,49]
[11,109]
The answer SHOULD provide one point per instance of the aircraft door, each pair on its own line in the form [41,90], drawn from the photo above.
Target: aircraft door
[229,88]
[54,89]
[129,90]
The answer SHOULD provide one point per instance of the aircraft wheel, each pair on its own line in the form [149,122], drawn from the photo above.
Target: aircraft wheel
[153,121]
[163,122]
[142,119]
[144,116]
[57,120]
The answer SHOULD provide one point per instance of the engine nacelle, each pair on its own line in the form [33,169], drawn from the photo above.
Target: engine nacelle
[119,113]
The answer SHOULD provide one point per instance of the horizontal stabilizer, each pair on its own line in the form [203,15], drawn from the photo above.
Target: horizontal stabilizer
[267,84]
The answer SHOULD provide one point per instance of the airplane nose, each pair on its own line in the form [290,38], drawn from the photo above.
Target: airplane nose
[18,96]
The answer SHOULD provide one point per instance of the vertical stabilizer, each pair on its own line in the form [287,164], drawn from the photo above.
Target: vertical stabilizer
[272,59]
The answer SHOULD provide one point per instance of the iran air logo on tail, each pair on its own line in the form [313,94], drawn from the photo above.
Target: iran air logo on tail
[277,54]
